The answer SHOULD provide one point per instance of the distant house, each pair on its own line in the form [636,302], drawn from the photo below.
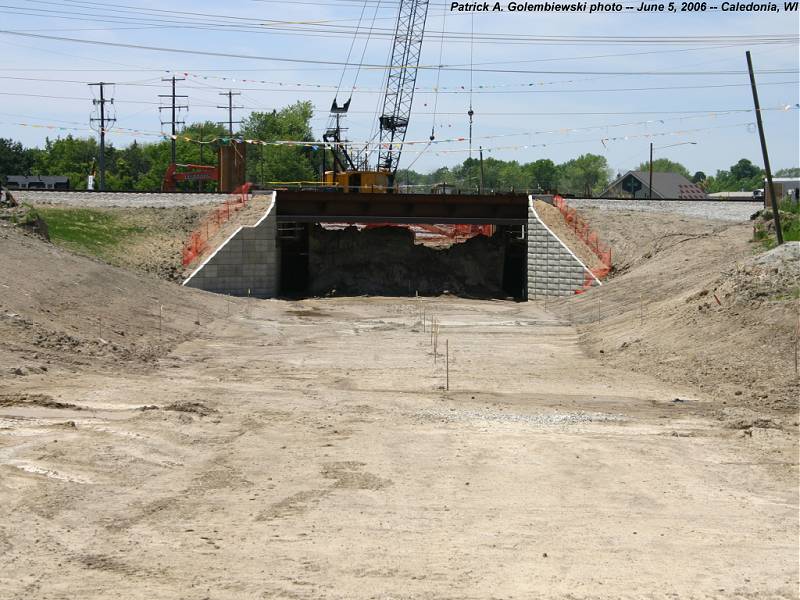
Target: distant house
[671,186]
[37,182]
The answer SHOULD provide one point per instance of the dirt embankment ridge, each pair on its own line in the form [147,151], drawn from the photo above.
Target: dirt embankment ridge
[59,310]
[696,302]
[148,240]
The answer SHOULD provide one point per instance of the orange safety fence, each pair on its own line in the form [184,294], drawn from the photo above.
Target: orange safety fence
[454,233]
[197,243]
[581,228]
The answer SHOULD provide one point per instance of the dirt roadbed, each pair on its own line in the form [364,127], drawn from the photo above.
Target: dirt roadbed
[309,450]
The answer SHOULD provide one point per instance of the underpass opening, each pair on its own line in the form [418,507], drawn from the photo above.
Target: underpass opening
[293,240]
[351,260]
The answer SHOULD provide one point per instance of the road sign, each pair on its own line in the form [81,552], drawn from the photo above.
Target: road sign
[632,185]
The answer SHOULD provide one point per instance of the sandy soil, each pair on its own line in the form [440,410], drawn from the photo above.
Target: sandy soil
[687,303]
[714,210]
[308,450]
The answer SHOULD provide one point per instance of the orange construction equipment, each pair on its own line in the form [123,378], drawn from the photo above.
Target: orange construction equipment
[195,173]
[229,176]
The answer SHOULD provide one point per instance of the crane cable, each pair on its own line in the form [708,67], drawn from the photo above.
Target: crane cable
[350,51]
[365,156]
[471,112]
[366,43]
[375,129]
[438,76]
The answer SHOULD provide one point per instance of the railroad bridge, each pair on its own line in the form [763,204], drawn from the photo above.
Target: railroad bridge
[296,249]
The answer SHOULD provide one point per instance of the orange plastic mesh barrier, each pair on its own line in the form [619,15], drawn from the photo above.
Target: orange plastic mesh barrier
[581,228]
[432,233]
[212,223]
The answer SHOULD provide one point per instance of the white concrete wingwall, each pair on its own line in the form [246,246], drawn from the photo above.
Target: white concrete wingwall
[246,264]
[553,269]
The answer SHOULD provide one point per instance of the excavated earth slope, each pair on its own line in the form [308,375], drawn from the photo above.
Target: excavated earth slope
[695,301]
[274,449]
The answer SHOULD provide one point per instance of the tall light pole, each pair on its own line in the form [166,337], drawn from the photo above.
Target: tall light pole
[650,183]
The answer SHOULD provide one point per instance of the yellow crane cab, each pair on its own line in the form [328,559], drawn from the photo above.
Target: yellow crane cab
[359,181]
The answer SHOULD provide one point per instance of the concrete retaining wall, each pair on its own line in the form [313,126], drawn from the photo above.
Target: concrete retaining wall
[553,270]
[246,264]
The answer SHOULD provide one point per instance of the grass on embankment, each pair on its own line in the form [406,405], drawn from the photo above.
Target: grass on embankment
[88,231]
[143,239]
[790,225]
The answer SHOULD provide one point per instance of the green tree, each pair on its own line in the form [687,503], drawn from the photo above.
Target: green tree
[744,176]
[665,165]
[542,174]
[72,157]
[282,163]
[744,169]
[586,175]
[142,166]
[15,159]
[788,172]
[699,177]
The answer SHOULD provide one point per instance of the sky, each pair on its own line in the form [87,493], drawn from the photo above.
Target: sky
[580,93]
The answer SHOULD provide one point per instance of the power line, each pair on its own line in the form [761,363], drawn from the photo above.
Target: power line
[184,19]
[486,114]
[530,88]
[368,65]
[504,62]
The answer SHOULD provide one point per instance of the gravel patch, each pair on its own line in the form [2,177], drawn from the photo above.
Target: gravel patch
[119,199]
[541,420]
[697,209]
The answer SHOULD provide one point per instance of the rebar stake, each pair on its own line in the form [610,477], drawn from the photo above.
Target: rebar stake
[447,364]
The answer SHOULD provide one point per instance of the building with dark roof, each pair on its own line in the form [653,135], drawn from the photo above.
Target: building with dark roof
[38,182]
[670,186]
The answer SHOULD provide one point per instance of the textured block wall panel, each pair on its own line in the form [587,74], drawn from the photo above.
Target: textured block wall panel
[553,270]
[246,264]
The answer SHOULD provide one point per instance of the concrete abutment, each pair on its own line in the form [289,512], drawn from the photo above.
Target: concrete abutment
[249,263]
[553,269]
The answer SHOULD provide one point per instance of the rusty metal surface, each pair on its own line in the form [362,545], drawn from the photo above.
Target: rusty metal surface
[318,206]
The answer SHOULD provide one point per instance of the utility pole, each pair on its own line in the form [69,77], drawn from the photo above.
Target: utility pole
[174,107]
[103,126]
[767,169]
[230,108]
[202,162]
[650,183]
[480,150]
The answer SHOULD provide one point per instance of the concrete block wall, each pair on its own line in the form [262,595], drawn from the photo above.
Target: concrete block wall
[246,264]
[553,270]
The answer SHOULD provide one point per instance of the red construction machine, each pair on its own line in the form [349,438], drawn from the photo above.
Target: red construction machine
[192,173]
[229,176]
